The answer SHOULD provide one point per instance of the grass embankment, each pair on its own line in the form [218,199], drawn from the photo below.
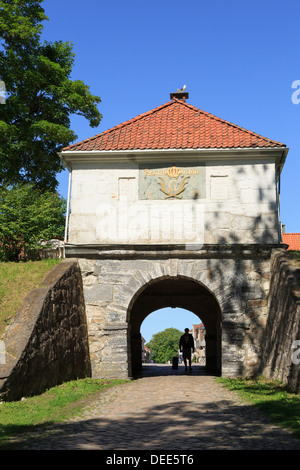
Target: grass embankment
[271,397]
[16,280]
[58,403]
[54,406]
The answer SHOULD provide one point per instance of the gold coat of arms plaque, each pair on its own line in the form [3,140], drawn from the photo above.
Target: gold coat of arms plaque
[182,181]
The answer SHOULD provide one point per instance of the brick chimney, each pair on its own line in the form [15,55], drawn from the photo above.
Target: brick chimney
[179,95]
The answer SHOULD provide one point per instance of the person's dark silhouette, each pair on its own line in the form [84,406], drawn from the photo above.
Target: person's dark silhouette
[186,345]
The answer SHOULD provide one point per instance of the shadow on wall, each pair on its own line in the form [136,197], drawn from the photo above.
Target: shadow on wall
[249,211]
[245,310]
[280,359]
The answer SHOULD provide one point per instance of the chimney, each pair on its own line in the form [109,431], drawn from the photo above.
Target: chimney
[179,95]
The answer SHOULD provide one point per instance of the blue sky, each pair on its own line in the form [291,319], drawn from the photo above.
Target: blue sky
[168,318]
[238,60]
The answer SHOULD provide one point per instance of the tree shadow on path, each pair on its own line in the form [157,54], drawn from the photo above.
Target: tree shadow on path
[182,425]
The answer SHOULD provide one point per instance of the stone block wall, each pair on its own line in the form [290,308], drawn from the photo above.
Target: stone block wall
[238,279]
[47,343]
[81,320]
[280,359]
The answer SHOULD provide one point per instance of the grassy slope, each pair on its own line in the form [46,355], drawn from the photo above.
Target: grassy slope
[16,280]
[270,396]
[18,420]
[58,403]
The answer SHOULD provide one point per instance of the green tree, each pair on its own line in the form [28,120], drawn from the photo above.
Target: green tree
[26,216]
[40,97]
[164,345]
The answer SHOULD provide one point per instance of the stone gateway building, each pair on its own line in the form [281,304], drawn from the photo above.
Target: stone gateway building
[175,208]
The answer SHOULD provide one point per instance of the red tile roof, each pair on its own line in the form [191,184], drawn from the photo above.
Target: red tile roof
[291,239]
[174,125]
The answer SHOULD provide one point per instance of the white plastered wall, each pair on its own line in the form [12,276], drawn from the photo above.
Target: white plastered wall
[239,207]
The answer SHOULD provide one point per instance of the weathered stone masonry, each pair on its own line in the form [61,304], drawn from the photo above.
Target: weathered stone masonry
[85,318]
[283,325]
[46,343]
[236,279]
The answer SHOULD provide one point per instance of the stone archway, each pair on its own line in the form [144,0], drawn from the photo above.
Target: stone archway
[175,292]
[226,287]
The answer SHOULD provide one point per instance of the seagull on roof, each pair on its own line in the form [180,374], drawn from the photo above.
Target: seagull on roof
[182,89]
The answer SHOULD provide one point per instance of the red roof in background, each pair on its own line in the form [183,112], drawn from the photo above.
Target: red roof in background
[291,239]
[174,125]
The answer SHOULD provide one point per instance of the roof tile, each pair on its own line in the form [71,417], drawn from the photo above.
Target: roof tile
[291,239]
[174,125]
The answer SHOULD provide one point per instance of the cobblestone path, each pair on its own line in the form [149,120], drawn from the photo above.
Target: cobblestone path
[168,410]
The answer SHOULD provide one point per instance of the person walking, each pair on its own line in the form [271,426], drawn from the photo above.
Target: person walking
[186,345]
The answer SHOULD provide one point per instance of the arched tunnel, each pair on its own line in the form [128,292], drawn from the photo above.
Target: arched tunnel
[175,292]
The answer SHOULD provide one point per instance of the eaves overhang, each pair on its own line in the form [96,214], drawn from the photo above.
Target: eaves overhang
[69,157]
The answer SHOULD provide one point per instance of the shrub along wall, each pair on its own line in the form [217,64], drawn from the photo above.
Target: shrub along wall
[280,358]
[47,343]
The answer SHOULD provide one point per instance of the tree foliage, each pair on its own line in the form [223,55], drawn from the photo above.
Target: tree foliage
[40,97]
[164,345]
[26,216]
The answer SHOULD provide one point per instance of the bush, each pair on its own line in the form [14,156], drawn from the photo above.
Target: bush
[26,216]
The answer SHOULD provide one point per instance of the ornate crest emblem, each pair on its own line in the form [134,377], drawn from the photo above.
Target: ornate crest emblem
[174,172]
[175,187]
[159,182]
